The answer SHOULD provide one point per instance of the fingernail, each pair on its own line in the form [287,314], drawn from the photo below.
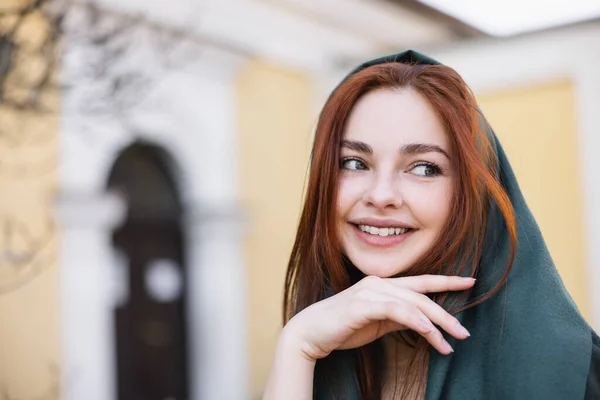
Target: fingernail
[447,347]
[462,330]
[469,279]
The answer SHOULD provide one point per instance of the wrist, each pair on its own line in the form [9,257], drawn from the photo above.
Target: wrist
[292,345]
[292,372]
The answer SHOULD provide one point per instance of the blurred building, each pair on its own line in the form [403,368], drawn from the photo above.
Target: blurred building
[150,204]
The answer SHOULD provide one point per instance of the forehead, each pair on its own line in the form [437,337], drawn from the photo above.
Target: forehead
[390,117]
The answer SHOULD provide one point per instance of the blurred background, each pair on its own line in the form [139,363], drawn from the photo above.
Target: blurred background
[153,155]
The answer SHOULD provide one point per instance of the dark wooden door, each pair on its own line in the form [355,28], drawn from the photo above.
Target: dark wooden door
[150,323]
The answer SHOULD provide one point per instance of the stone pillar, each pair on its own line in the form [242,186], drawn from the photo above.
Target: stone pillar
[217,295]
[587,84]
[86,260]
[217,311]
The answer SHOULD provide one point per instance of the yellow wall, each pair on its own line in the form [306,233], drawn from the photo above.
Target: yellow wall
[276,117]
[29,350]
[537,127]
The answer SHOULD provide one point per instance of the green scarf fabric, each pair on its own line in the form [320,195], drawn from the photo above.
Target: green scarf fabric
[528,341]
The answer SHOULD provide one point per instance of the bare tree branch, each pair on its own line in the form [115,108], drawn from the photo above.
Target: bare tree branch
[29,80]
[23,255]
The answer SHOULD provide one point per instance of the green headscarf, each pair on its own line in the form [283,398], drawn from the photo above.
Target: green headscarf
[528,341]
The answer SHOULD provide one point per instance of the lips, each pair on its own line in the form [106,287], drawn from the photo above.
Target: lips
[381,223]
[373,230]
[381,241]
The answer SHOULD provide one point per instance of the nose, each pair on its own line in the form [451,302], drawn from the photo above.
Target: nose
[384,192]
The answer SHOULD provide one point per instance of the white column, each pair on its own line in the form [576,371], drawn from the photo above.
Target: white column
[588,108]
[87,221]
[215,263]
[217,304]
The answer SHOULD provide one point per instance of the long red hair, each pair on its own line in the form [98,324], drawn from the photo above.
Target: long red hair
[317,267]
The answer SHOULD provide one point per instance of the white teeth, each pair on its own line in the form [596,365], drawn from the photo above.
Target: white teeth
[382,231]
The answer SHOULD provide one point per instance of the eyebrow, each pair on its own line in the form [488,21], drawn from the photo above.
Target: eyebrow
[412,148]
[360,147]
[420,148]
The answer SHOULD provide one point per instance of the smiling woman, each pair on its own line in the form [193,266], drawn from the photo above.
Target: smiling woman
[396,181]
[410,198]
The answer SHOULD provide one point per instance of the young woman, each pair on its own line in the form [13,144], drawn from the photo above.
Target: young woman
[418,271]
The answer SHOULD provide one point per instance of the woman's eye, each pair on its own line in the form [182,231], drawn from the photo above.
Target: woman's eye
[426,170]
[353,164]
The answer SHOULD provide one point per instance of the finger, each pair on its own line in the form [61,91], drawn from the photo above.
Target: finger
[433,311]
[434,336]
[433,283]
[390,326]
[381,307]
[408,315]
[437,314]
[436,339]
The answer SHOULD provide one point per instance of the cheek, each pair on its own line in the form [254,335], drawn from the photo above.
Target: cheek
[349,194]
[430,204]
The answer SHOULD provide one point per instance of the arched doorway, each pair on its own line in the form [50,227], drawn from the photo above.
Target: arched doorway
[150,334]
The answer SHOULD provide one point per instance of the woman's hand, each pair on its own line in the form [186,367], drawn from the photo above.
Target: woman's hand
[376,306]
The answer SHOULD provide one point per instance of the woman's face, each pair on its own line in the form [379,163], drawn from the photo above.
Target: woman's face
[396,181]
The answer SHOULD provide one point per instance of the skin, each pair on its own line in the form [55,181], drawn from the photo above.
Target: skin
[388,180]
[393,183]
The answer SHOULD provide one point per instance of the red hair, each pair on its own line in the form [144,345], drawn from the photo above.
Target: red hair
[317,267]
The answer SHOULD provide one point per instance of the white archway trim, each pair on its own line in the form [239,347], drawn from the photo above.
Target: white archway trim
[192,115]
[307,34]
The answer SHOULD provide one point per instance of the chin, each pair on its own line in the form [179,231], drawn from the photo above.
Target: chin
[382,256]
[382,267]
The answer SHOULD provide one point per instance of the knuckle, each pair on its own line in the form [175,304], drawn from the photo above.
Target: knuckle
[356,303]
[406,308]
[421,298]
[362,293]
[439,336]
[417,319]
[380,310]
[391,308]
[414,310]
[435,334]
[371,280]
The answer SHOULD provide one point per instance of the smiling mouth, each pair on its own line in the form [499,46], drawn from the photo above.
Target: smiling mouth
[389,231]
